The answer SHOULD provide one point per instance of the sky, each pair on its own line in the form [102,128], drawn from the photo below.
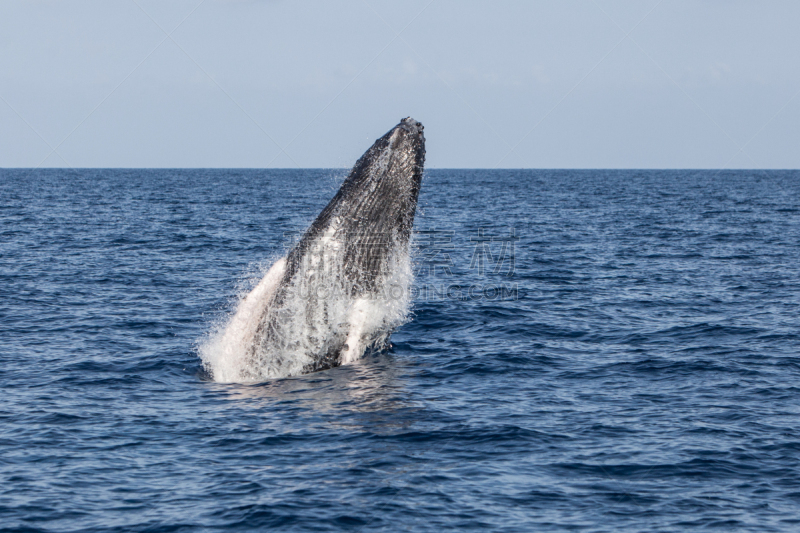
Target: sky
[312,83]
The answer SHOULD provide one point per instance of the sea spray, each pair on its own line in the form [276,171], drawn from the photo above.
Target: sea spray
[318,313]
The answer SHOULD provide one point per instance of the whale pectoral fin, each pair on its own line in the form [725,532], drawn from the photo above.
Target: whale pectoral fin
[357,321]
[231,350]
[264,291]
[243,325]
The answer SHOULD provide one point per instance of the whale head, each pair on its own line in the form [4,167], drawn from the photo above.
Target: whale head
[379,195]
[401,151]
[409,131]
[408,137]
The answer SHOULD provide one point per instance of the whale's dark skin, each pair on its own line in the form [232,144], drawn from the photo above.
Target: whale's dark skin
[375,204]
[371,216]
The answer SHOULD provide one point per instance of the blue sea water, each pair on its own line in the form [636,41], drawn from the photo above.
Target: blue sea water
[589,351]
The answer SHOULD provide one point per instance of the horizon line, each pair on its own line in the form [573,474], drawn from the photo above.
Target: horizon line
[426,169]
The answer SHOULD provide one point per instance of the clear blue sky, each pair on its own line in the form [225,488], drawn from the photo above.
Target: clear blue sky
[280,83]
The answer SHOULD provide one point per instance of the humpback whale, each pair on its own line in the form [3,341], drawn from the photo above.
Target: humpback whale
[344,287]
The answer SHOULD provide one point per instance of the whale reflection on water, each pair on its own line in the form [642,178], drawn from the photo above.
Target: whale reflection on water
[374,386]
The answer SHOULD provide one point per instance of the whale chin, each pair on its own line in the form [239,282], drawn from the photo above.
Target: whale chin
[345,286]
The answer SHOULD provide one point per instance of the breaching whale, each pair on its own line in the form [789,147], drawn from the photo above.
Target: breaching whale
[344,286]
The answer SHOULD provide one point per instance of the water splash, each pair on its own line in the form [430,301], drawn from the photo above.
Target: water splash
[281,331]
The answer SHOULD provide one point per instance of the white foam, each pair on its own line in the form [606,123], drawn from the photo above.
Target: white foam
[224,353]
[318,314]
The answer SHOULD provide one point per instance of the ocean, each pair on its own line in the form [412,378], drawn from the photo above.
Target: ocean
[587,350]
